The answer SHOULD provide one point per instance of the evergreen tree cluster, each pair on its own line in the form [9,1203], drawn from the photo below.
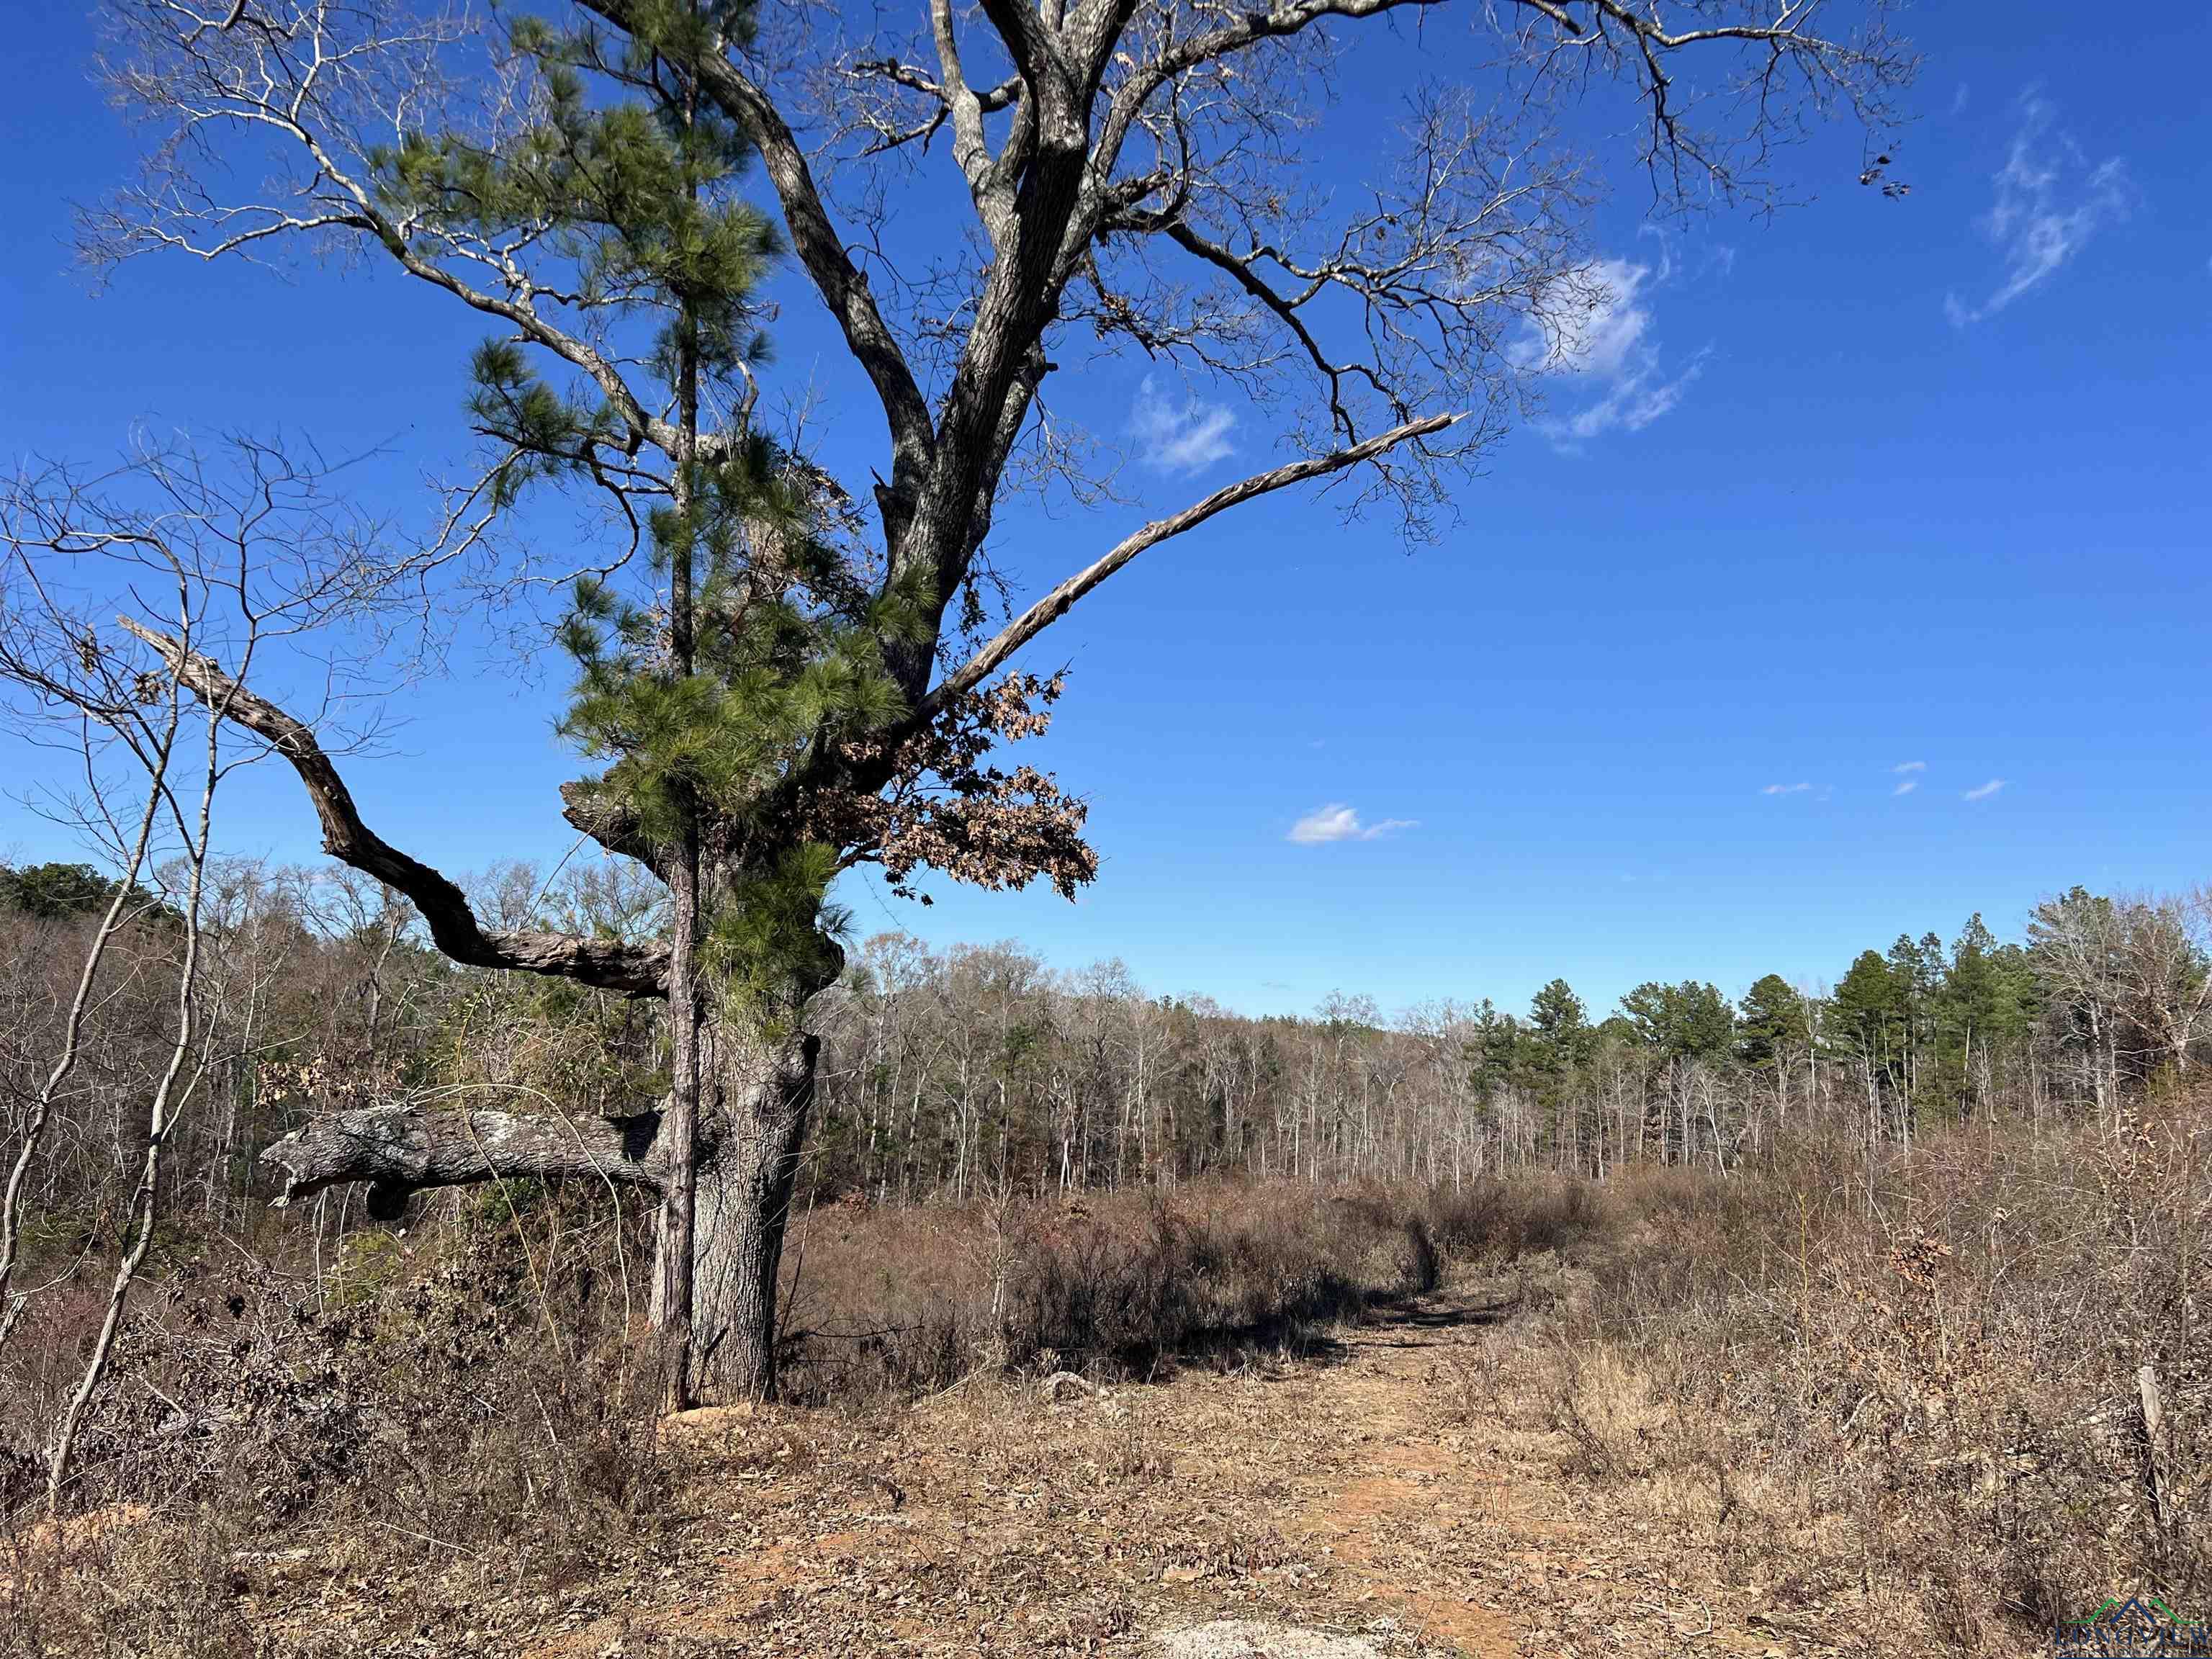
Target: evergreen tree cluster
[52,891]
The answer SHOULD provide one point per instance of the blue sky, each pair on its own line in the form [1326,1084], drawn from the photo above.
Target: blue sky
[1863,486]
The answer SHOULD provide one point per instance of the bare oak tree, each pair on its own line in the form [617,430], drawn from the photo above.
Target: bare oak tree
[1132,171]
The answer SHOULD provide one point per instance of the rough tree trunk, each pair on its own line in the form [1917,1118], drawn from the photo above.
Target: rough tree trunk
[763,1090]
[673,1291]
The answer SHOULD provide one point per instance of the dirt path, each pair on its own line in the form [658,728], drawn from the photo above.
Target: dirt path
[1378,1494]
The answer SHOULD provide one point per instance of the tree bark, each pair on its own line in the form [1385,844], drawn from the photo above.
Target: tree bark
[764,1086]
[674,1290]
[401,1149]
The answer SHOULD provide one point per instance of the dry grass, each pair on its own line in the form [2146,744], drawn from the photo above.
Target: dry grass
[1935,1394]
[469,1398]
[467,1412]
[1913,1411]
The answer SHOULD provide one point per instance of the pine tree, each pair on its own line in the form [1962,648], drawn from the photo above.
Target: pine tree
[1560,1025]
[1681,1027]
[1558,1045]
[722,692]
[1770,1028]
[1981,1014]
[1770,1019]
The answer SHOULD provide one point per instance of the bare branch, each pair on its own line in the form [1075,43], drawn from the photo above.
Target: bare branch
[1054,604]
[636,970]
[611,823]
[400,1149]
[296,75]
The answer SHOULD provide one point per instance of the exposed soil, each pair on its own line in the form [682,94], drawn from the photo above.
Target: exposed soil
[1381,1493]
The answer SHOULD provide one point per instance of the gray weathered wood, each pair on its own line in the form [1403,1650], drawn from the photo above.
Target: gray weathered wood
[400,1149]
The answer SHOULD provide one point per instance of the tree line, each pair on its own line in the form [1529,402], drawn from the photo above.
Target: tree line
[976,1071]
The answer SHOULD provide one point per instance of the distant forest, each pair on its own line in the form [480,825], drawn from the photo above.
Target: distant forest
[979,1071]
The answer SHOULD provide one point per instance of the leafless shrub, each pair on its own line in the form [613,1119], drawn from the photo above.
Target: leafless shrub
[475,1401]
[1116,1283]
[1955,1375]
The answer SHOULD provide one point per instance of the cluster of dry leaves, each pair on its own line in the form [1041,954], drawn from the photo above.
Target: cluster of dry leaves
[945,809]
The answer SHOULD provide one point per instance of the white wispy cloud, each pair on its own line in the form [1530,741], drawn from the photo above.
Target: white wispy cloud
[1908,777]
[1180,437]
[1337,822]
[2051,200]
[1787,789]
[1597,332]
[1982,791]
